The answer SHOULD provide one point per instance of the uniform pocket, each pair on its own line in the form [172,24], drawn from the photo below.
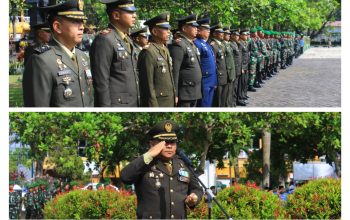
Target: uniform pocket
[188,83]
[122,98]
[151,215]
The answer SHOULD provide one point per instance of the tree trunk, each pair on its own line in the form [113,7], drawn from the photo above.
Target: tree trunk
[266,142]
[14,27]
[39,167]
[237,175]
[201,167]
[316,33]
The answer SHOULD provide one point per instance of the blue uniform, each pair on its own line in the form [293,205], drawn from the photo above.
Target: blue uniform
[208,66]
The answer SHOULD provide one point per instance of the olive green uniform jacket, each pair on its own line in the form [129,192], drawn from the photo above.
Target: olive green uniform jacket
[52,79]
[156,77]
[168,199]
[114,69]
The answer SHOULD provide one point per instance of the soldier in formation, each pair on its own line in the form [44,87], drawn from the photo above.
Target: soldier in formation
[207,66]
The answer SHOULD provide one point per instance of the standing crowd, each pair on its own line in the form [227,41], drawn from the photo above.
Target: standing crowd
[203,65]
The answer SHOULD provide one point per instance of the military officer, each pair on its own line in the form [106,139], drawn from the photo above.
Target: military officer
[155,66]
[113,58]
[221,69]
[42,36]
[244,34]
[60,76]
[237,52]
[29,202]
[14,201]
[163,183]
[186,64]
[140,39]
[255,56]
[207,61]
[231,69]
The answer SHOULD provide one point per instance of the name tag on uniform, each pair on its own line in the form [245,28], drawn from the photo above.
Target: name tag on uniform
[64,72]
[120,48]
[160,58]
[184,176]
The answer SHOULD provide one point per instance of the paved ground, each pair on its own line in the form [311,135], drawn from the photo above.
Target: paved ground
[314,80]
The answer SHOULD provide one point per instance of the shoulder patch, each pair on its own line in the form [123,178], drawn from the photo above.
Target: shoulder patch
[105,31]
[42,49]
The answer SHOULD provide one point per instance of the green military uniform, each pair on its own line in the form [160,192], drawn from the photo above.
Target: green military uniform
[237,55]
[231,71]
[155,66]
[186,67]
[114,64]
[29,202]
[56,76]
[221,93]
[138,32]
[161,185]
[14,203]
[36,45]
[245,63]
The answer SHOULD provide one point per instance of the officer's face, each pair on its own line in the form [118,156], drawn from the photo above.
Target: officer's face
[169,150]
[227,37]
[44,36]
[69,31]
[190,31]
[125,18]
[218,35]
[244,37]
[203,33]
[11,187]
[162,34]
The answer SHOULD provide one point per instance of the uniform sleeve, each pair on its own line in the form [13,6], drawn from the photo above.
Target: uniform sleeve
[37,82]
[146,72]
[101,56]
[131,173]
[195,188]
[177,54]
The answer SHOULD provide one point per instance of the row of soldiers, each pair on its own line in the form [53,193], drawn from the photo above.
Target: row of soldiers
[207,66]
[38,193]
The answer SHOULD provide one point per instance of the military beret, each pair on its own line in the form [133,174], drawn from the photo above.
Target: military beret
[164,130]
[98,185]
[190,20]
[227,30]
[161,20]
[139,31]
[259,28]
[217,28]
[73,9]
[204,22]
[73,183]
[253,30]
[11,182]
[125,5]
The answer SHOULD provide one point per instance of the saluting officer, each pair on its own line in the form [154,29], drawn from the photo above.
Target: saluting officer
[207,61]
[186,68]
[60,75]
[163,183]
[113,58]
[140,39]
[155,66]
[221,69]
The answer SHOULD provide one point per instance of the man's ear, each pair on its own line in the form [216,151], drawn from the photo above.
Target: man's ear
[57,27]
[116,15]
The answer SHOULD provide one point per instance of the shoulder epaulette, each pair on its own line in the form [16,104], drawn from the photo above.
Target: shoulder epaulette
[42,48]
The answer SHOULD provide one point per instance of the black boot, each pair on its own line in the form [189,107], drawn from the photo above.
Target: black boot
[251,89]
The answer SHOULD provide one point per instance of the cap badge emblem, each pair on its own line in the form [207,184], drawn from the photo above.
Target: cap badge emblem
[168,127]
[80,5]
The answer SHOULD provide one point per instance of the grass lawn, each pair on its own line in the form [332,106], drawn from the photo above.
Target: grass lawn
[16,93]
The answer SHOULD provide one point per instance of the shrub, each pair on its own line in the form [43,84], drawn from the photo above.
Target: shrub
[318,199]
[199,212]
[86,204]
[249,202]
[16,68]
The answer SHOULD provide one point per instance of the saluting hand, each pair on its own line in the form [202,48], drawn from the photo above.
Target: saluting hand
[156,149]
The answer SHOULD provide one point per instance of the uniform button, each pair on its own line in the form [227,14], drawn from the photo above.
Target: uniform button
[171,190]
[119,100]
[172,216]
[151,217]
[172,203]
[80,77]
[171,178]
[161,93]
[83,93]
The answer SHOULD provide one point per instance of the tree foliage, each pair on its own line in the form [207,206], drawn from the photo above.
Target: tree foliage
[295,15]
[114,137]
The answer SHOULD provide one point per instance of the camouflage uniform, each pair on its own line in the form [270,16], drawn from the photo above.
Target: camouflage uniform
[14,204]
